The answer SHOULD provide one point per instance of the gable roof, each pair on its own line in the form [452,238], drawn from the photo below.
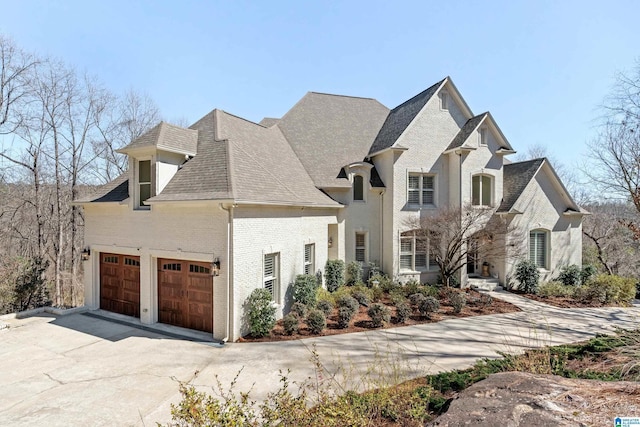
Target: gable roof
[166,137]
[516,177]
[114,191]
[469,127]
[400,117]
[327,132]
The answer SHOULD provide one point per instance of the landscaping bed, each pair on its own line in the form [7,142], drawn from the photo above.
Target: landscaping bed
[477,304]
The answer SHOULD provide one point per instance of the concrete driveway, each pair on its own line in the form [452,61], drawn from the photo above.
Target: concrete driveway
[82,370]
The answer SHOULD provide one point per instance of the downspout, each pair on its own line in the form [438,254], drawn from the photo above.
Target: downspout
[381,228]
[459,152]
[229,211]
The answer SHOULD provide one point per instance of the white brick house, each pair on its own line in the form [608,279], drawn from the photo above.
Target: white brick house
[207,214]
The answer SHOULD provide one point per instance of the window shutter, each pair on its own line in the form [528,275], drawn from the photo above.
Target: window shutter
[361,255]
[270,273]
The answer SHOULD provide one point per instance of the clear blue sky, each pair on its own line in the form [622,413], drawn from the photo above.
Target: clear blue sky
[541,67]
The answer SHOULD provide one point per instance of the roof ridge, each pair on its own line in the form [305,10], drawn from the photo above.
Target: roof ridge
[418,95]
[343,96]
[537,159]
[241,118]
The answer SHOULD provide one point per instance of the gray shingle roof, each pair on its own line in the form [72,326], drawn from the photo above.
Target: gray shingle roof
[168,137]
[114,191]
[466,130]
[268,122]
[400,117]
[516,176]
[328,132]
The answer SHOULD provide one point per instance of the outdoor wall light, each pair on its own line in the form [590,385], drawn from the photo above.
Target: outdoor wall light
[330,242]
[86,253]
[215,267]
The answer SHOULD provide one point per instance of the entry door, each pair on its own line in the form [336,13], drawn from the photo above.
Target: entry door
[185,294]
[473,261]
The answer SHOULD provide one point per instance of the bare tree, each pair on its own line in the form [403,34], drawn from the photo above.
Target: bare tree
[455,233]
[14,78]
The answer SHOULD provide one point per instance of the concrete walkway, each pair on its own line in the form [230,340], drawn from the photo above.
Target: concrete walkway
[81,370]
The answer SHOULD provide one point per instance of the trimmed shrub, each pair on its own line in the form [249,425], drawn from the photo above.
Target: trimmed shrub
[345,314]
[458,300]
[403,311]
[304,289]
[324,295]
[348,302]
[334,274]
[261,312]
[362,298]
[570,275]
[325,306]
[427,306]
[417,298]
[485,300]
[397,295]
[383,281]
[412,287]
[378,293]
[290,323]
[316,321]
[354,273]
[588,271]
[527,274]
[556,289]
[299,309]
[379,314]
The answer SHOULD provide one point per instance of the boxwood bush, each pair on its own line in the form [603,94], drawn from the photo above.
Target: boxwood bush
[380,314]
[334,274]
[290,323]
[261,312]
[316,321]
[304,289]
[527,275]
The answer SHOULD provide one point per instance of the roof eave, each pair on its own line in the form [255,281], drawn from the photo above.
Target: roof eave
[504,151]
[458,150]
[397,148]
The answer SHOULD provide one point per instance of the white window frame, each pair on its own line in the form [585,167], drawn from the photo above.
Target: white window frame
[412,252]
[271,279]
[363,247]
[309,258]
[534,247]
[444,101]
[421,179]
[353,193]
[482,136]
[479,176]
[139,203]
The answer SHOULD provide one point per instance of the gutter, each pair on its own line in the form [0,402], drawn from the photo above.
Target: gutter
[229,211]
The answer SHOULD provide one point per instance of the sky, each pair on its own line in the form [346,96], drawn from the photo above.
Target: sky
[541,67]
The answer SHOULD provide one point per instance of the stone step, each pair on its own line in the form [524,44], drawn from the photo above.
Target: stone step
[489,284]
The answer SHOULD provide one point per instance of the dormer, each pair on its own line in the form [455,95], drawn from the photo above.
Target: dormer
[480,132]
[155,157]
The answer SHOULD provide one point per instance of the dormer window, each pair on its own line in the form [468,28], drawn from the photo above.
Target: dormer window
[144,183]
[358,188]
[482,136]
[444,101]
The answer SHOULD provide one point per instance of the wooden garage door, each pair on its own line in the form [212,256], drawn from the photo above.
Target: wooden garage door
[120,284]
[185,294]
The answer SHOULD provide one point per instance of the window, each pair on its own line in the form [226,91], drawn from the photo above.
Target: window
[270,276]
[193,268]
[482,136]
[421,189]
[481,190]
[358,188]
[309,258]
[144,182]
[172,267]
[538,248]
[132,262]
[111,259]
[415,254]
[444,101]
[361,248]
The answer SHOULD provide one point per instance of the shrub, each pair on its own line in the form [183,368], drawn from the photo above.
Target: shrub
[427,306]
[412,287]
[304,289]
[325,306]
[383,281]
[261,312]
[348,301]
[319,278]
[316,321]
[458,300]
[345,314]
[324,295]
[378,293]
[397,295]
[527,274]
[354,273]
[556,289]
[403,311]
[362,298]
[334,274]
[291,323]
[610,289]
[485,300]
[416,298]
[299,309]
[588,271]
[570,275]
[379,314]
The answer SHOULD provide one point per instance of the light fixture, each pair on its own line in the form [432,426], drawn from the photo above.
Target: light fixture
[330,242]
[86,253]
[215,267]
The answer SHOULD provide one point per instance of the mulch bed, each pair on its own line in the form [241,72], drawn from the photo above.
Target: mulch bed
[563,302]
[362,321]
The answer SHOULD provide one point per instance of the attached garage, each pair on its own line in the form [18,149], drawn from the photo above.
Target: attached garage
[120,284]
[185,294]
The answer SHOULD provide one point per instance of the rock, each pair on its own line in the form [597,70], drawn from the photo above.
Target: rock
[520,399]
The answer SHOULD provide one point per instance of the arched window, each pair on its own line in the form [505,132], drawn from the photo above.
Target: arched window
[539,247]
[481,190]
[358,188]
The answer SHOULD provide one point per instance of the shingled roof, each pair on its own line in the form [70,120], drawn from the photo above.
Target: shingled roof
[469,127]
[400,117]
[114,191]
[328,132]
[515,178]
[167,137]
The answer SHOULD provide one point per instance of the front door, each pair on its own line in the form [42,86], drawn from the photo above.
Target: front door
[473,261]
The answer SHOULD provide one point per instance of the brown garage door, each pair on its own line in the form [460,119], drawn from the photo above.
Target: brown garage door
[185,294]
[120,284]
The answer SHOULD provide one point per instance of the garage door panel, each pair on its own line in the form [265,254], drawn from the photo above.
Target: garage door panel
[120,284]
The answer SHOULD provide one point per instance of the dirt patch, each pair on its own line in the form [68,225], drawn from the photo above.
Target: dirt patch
[475,306]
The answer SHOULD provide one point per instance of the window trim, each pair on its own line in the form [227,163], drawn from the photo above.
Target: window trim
[481,193]
[429,267]
[482,136]
[533,256]
[353,193]
[311,260]
[421,189]
[444,100]
[275,277]
[139,204]
[364,247]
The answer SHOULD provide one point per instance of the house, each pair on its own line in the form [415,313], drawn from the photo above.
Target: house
[205,215]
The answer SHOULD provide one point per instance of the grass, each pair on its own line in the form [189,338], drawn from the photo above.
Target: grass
[411,403]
